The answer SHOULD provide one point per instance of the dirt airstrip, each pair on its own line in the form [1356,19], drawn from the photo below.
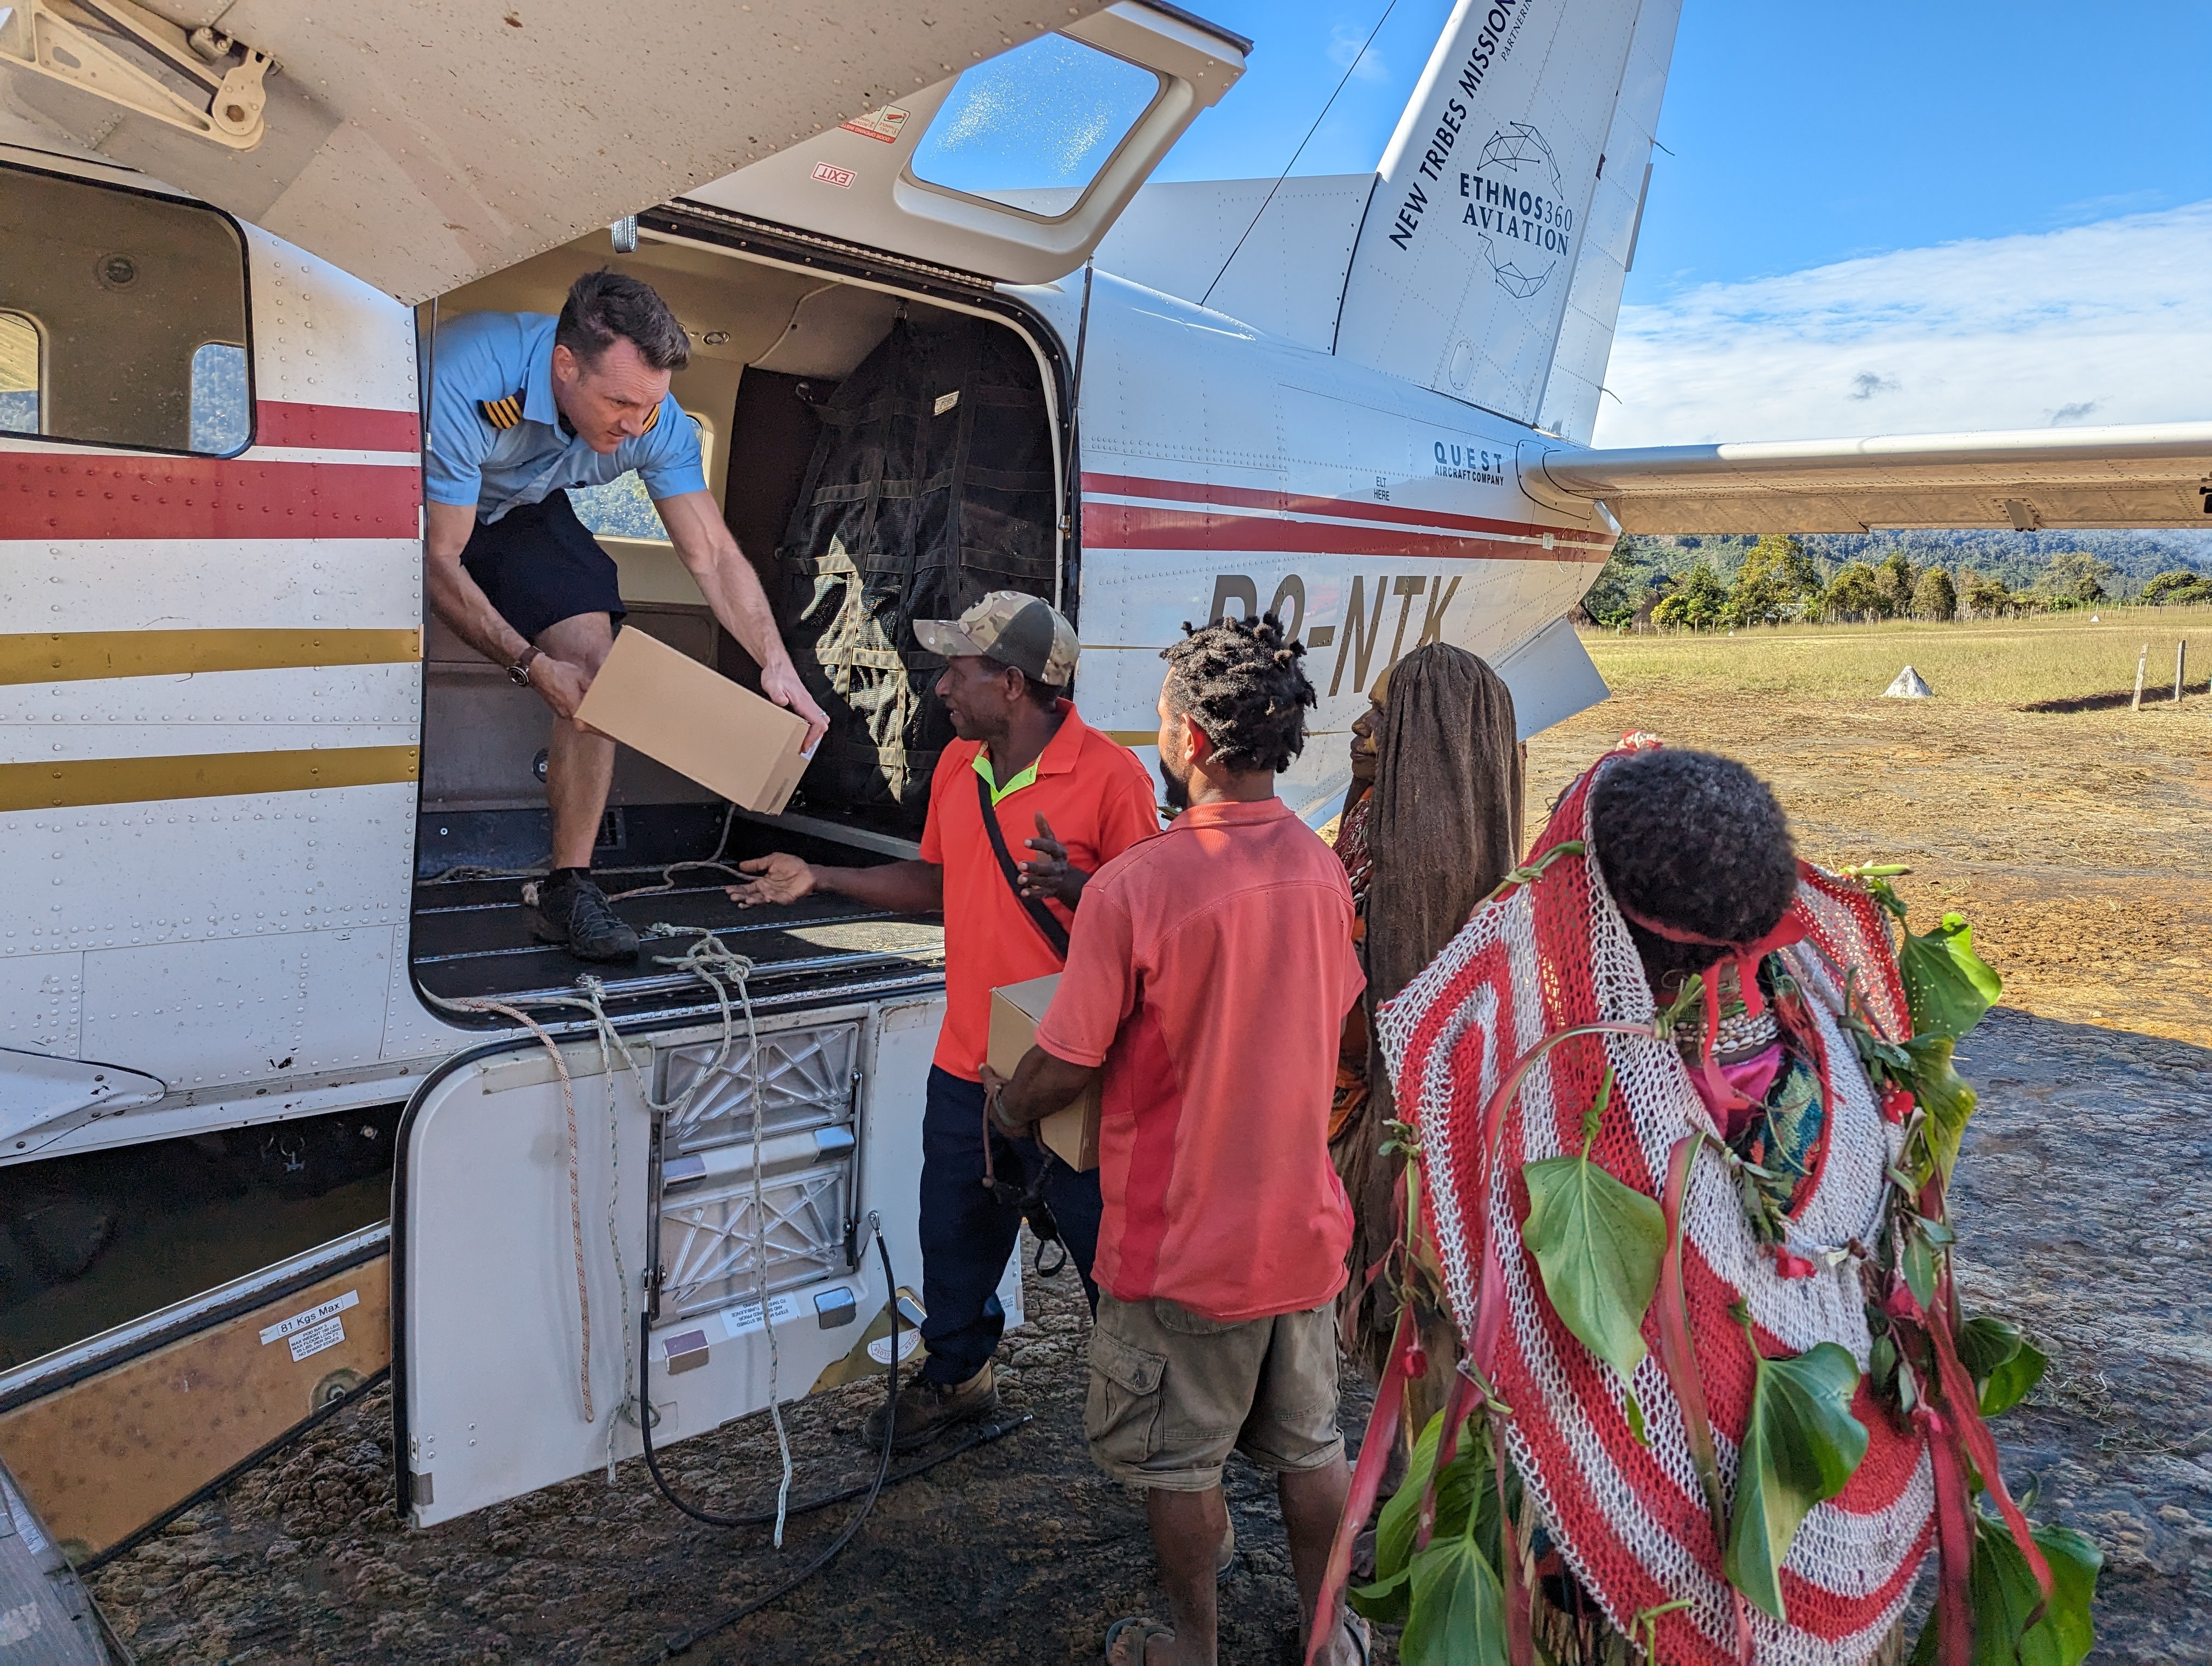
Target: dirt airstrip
[2075,844]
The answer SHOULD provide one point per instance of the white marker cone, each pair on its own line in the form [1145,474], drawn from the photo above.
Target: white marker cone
[1908,686]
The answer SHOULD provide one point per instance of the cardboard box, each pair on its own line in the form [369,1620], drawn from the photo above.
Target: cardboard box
[698,722]
[1072,1132]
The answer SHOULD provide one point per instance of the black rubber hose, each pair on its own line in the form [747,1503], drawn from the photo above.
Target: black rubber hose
[682,1643]
[981,1435]
[755,1519]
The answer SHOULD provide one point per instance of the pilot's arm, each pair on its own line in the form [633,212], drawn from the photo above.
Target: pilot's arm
[733,589]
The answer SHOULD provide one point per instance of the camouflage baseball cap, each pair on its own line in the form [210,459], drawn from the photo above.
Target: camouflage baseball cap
[1015,630]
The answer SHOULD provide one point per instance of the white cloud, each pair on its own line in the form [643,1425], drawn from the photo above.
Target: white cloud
[2104,323]
[1344,44]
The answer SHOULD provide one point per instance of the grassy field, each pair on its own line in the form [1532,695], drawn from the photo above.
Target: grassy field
[2012,663]
[2077,839]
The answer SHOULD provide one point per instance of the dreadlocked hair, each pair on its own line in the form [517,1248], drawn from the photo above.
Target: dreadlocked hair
[1240,679]
[1695,841]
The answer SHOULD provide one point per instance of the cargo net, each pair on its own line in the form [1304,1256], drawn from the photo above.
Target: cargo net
[1631,1518]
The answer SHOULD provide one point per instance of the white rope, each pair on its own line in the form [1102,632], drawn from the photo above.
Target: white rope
[575,1193]
[709,960]
[718,967]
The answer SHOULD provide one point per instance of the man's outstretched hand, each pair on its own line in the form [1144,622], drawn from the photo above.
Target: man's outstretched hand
[781,878]
[1051,875]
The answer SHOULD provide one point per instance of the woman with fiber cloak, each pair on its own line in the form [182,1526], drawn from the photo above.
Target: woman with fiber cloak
[1431,824]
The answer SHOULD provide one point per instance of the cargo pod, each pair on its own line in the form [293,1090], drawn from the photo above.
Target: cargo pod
[527,1244]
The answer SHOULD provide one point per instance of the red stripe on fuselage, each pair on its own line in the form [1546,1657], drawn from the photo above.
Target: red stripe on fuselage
[94,494]
[1131,526]
[336,428]
[1338,508]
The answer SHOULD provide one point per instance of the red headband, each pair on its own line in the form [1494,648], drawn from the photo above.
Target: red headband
[1789,931]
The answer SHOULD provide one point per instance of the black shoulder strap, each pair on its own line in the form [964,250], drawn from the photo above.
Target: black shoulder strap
[1055,933]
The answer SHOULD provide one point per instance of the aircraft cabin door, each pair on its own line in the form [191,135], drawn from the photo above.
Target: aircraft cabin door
[1017,168]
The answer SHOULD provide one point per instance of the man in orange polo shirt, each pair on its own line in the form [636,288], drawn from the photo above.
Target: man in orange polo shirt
[1023,751]
[1207,982]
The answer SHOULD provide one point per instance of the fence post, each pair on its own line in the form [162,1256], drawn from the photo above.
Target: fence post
[2142,662]
[2180,663]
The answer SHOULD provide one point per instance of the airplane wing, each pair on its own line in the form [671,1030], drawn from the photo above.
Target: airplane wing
[2132,477]
[421,145]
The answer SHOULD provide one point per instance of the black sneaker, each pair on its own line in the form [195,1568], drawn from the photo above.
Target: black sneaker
[576,912]
[926,1409]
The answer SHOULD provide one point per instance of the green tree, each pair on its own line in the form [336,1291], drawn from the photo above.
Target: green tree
[1623,585]
[1699,598]
[1857,593]
[1934,596]
[1776,576]
[1897,576]
[2178,587]
[1985,598]
[2075,577]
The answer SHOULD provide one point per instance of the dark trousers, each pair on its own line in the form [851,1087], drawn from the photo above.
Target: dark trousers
[967,1234]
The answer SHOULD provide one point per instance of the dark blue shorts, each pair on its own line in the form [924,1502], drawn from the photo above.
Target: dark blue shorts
[538,566]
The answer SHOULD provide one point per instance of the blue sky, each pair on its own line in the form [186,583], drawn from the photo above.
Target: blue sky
[1800,135]
[1873,219]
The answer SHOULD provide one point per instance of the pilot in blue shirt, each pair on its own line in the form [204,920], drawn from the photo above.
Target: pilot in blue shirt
[522,407]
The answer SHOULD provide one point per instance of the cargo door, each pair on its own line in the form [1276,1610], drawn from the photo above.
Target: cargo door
[419,146]
[1014,169]
[210,677]
[535,1222]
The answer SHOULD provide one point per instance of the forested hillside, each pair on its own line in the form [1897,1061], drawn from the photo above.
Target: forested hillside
[1732,580]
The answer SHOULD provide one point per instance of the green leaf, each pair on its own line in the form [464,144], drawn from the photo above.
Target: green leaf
[1465,1497]
[1394,1527]
[1598,1245]
[1944,1094]
[1986,1342]
[1387,1602]
[2002,1591]
[1458,1610]
[1463,1493]
[2066,1633]
[1800,1446]
[2013,1381]
[1947,986]
[1918,1261]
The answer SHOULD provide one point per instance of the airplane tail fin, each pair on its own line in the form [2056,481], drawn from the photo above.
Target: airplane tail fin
[1491,263]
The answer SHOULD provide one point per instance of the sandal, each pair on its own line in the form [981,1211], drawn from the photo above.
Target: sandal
[1362,1635]
[1151,1629]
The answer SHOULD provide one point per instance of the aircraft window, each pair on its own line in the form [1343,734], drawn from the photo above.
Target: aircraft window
[621,509]
[19,375]
[1032,128]
[223,405]
[133,305]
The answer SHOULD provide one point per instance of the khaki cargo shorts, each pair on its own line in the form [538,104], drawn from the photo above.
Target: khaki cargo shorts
[1171,1392]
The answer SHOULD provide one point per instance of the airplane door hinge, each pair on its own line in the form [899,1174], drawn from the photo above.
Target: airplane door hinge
[81,50]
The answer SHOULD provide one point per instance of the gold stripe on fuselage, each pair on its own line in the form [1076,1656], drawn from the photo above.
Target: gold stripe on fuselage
[84,655]
[73,783]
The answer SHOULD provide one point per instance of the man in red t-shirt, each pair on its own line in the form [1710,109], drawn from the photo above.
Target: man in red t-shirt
[1023,751]
[1207,980]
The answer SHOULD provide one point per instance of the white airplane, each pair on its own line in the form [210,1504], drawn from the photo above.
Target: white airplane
[247,778]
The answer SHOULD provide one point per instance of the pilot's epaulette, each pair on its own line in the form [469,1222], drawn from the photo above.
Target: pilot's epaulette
[502,413]
[651,420]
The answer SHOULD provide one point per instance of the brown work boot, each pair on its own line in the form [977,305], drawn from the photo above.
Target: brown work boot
[926,1409]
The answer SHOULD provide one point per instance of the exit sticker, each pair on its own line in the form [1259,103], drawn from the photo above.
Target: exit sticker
[830,173]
